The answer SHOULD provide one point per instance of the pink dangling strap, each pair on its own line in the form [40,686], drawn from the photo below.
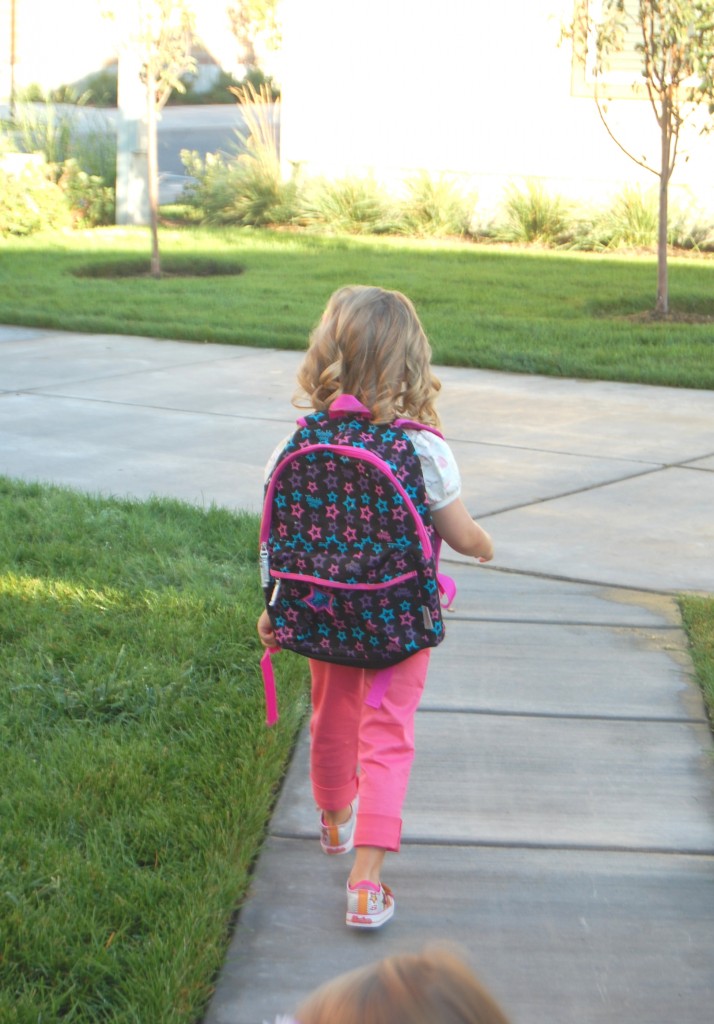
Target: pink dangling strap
[447,588]
[271,697]
[379,686]
[374,698]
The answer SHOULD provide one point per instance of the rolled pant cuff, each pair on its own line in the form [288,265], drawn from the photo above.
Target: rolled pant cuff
[334,799]
[378,830]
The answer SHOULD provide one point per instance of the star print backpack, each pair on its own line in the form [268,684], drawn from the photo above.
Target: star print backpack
[348,554]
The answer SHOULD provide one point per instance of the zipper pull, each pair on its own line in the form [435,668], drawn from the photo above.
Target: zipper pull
[264,565]
[276,592]
[426,615]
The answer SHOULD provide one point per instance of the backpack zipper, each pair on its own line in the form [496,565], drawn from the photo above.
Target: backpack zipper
[322,581]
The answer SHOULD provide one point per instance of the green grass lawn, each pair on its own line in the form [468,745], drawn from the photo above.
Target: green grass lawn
[525,311]
[136,772]
[698,616]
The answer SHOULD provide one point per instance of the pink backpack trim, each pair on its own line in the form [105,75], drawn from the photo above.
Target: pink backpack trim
[348,404]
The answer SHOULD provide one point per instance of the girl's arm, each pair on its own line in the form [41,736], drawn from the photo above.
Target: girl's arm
[454,525]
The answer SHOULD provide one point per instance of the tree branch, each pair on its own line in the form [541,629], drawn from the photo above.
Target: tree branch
[617,142]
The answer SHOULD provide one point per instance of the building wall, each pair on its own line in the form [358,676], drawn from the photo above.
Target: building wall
[478,88]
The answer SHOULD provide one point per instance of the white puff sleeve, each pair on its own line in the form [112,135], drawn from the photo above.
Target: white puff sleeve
[441,473]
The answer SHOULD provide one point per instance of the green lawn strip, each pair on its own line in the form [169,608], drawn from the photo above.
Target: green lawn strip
[561,314]
[136,772]
[698,615]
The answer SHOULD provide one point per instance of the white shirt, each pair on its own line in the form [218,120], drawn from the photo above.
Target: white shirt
[441,474]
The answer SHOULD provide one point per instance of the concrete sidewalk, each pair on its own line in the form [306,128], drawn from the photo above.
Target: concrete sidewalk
[560,821]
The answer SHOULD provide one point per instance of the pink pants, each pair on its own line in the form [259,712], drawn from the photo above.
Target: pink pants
[345,732]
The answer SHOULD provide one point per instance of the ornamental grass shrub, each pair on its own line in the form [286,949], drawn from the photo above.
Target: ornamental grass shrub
[30,200]
[435,206]
[532,214]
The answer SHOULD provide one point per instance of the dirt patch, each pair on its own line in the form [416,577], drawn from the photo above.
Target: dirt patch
[673,317]
[170,267]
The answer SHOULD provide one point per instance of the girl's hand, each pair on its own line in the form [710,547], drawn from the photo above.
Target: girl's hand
[266,631]
[486,548]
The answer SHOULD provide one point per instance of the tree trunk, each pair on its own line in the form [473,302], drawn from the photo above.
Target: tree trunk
[153,167]
[666,127]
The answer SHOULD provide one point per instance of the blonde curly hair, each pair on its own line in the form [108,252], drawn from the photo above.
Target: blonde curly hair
[370,344]
[418,988]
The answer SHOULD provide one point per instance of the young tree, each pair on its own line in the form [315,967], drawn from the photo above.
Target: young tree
[166,34]
[675,43]
[159,33]
[253,20]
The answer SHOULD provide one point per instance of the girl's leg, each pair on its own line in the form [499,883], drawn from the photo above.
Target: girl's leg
[386,754]
[337,695]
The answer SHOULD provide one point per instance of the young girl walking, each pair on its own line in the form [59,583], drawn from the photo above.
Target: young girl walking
[370,344]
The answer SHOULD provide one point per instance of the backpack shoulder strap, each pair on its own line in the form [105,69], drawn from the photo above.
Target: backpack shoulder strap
[447,586]
[415,425]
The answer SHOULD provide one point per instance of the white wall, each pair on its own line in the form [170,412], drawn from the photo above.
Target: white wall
[470,86]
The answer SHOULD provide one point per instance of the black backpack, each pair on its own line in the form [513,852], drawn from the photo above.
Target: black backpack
[348,553]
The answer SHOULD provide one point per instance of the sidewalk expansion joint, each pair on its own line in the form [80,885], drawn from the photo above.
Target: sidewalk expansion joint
[436,709]
[41,393]
[534,502]
[555,451]
[287,835]
[655,463]
[141,371]
[559,578]
[177,410]
[534,844]
[638,626]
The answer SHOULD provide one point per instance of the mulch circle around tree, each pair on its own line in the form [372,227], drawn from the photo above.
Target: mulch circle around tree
[673,317]
[170,267]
